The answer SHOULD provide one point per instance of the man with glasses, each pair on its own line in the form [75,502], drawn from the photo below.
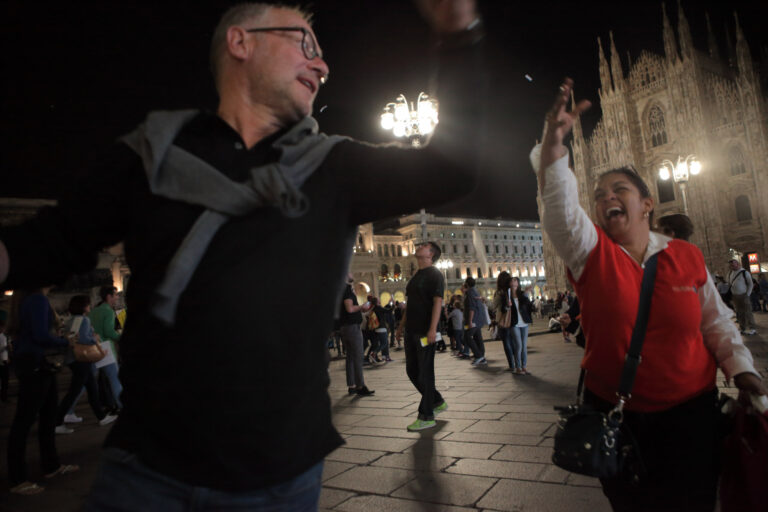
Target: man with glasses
[224,376]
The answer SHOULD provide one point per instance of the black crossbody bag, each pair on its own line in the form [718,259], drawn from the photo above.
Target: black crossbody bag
[593,443]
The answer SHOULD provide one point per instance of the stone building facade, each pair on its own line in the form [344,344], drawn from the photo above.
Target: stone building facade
[710,104]
[383,262]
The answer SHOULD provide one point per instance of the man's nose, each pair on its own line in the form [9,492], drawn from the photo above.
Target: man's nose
[319,66]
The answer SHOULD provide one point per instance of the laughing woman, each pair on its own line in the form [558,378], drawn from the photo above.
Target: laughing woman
[671,411]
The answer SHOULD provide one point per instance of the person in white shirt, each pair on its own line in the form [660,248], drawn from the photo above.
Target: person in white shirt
[741,287]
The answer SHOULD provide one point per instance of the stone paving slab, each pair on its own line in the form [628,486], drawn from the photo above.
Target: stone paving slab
[497,468]
[524,454]
[411,461]
[385,504]
[513,495]
[460,490]
[476,437]
[385,444]
[509,427]
[329,498]
[376,480]
[470,450]
[332,468]
[353,456]
[390,432]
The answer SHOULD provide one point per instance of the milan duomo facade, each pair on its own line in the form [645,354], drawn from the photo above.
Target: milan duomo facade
[684,102]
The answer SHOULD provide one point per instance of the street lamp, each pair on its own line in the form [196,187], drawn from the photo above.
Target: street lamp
[414,122]
[680,172]
[444,265]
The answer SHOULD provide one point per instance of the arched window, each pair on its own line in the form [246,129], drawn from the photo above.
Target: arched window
[398,270]
[399,250]
[378,248]
[657,127]
[458,273]
[736,159]
[360,240]
[469,272]
[743,210]
[479,273]
[666,190]
[392,249]
[384,270]
[386,251]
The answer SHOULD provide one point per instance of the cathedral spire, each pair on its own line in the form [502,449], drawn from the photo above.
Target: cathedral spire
[743,55]
[729,47]
[711,41]
[670,47]
[616,70]
[684,32]
[578,135]
[605,74]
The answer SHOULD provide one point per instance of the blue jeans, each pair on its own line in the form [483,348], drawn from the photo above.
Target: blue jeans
[519,346]
[383,345]
[125,484]
[110,371]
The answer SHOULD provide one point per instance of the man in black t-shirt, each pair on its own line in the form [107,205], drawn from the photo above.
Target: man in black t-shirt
[423,307]
[350,318]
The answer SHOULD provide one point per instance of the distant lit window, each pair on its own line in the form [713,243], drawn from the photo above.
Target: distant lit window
[657,127]
[736,159]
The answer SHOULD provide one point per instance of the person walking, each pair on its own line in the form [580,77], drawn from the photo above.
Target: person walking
[763,284]
[474,320]
[350,318]
[425,293]
[82,371]
[33,327]
[102,318]
[672,410]
[740,283]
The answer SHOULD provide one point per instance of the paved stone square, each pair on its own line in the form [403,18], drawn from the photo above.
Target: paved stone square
[489,452]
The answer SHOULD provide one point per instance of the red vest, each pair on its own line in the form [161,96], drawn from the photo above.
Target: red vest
[675,366]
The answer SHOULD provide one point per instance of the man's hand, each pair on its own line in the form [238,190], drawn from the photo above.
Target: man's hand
[558,124]
[565,319]
[750,382]
[367,308]
[448,16]
[431,337]
[72,339]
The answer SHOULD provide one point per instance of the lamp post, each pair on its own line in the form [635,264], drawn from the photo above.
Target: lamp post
[416,123]
[444,265]
[680,172]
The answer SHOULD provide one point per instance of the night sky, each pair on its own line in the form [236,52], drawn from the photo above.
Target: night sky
[76,76]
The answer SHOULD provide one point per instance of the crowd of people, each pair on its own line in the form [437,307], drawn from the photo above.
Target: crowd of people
[212,409]
[40,343]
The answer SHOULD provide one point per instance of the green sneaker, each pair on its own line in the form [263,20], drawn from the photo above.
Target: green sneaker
[440,408]
[421,425]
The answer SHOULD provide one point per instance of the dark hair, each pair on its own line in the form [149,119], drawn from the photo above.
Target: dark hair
[78,303]
[503,281]
[680,225]
[106,291]
[469,281]
[434,248]
[519,293]
[636,180]
[373,300]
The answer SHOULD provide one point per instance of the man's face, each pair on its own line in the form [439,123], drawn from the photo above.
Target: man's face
[111,300]
[733,264]
[280,76]
[424,256]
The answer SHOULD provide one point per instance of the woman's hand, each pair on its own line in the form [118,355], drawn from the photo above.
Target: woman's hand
[72,339]
[559,123]
[448,16]
[750,382]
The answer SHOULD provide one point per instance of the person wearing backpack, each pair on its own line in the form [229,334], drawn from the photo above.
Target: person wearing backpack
[741,287]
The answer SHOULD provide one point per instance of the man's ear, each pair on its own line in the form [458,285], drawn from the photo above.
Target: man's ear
[237,45]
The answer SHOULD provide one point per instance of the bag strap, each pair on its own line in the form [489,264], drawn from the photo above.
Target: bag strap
[633,358]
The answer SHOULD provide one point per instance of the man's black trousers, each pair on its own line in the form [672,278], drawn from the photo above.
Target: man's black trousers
[420,367]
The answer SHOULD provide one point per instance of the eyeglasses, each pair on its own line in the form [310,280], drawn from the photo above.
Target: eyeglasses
[308,43]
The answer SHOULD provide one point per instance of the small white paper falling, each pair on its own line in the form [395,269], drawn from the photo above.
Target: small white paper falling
[322,109]
[528,77]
